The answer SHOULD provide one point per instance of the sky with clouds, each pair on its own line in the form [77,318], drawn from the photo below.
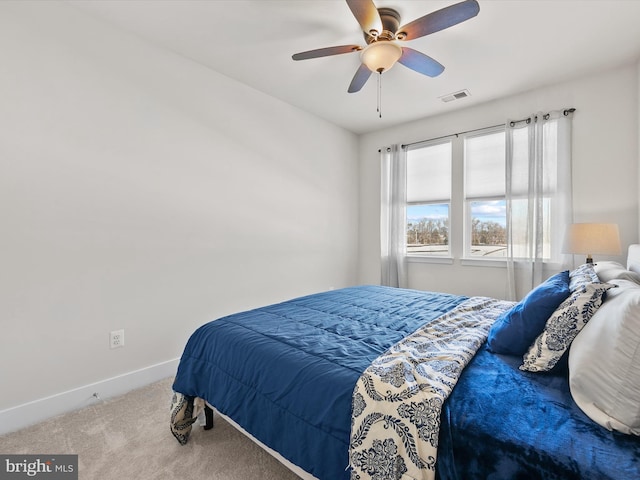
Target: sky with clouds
[485,211]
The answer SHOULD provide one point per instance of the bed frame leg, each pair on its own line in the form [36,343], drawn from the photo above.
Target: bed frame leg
[208,416]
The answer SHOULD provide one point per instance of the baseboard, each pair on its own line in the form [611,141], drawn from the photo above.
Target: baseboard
[21,416]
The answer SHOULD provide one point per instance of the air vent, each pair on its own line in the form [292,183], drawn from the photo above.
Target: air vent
[450,97]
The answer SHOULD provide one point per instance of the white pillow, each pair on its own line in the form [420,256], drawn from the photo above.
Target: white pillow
[633,258]
[608,271]
[563,326]
[604,362]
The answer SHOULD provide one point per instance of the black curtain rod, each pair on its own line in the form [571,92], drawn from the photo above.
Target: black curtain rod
[565,112]
[546,116]
[405,145]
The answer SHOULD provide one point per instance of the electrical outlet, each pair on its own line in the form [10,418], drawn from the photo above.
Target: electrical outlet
[116,339]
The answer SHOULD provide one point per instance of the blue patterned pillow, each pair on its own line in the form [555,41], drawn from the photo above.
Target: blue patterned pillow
[563,326]
[582,275]
[515,330]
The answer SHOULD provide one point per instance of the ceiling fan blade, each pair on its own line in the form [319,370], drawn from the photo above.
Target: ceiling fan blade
[325,52]
[420,62]
[439,20]
[359,79]
[367,15]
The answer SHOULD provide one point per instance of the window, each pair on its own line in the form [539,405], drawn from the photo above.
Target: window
[484,190]
[456,195]
[429,199]
[433,195]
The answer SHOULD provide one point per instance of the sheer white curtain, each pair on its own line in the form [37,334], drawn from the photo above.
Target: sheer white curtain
[393,161]
[538,192]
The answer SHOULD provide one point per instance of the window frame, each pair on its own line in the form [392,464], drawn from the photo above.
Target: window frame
[466,201]
[553,218]
[459,227]
[425,256]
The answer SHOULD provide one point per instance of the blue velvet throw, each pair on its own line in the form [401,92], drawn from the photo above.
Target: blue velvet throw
[500,423]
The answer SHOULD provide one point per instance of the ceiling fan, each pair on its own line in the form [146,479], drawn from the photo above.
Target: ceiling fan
[384,38]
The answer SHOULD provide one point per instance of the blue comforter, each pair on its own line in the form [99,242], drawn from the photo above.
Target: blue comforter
[286,372]
[500,423]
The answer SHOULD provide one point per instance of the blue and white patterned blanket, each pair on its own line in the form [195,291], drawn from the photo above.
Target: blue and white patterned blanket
[397,401]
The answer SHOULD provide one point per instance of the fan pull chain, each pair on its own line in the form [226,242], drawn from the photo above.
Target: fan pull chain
[379,110]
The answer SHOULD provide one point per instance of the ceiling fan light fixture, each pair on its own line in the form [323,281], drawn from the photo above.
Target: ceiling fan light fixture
[381,56]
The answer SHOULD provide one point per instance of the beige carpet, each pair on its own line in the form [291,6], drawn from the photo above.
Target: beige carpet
[128,438]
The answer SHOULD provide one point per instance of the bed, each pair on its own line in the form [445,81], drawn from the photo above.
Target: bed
[373,382]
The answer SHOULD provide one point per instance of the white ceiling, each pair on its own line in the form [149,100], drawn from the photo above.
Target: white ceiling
[510,47]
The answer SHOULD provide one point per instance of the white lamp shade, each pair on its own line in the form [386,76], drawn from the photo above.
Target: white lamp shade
[590,238]
[380,56]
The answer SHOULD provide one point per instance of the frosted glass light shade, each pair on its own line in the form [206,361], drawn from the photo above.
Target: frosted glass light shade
[380,56]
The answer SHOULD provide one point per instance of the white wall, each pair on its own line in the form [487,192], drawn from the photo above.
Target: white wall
[139,190]
[605,168]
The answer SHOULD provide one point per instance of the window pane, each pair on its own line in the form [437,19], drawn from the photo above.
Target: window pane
[485,165]
[428,229]
[429,173]
[488,228]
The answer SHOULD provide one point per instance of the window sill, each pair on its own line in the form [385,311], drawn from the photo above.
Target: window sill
[429,259]
[483,262]
[472,262]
